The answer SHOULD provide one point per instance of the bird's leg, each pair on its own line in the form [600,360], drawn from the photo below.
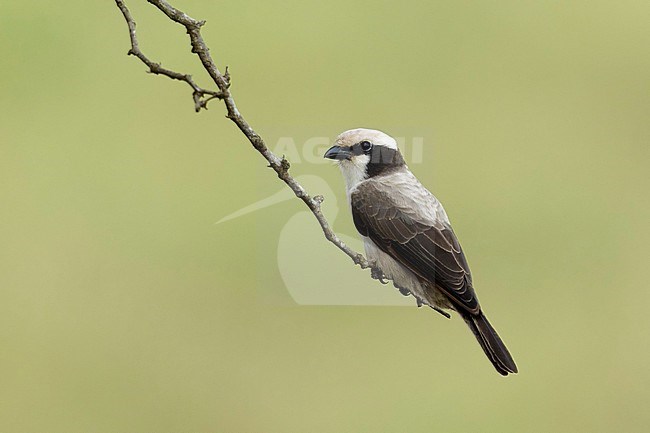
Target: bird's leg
[377,273]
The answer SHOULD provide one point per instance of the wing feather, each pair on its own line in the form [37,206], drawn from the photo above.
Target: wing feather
[425,245]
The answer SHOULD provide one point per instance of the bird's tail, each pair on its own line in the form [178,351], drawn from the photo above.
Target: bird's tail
[492,345]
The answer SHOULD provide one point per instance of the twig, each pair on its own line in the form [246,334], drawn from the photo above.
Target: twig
[198,94]
[202,96]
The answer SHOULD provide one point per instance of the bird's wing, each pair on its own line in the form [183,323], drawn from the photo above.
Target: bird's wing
[425,244]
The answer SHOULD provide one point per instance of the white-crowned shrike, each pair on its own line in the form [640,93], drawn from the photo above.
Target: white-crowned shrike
[408,236]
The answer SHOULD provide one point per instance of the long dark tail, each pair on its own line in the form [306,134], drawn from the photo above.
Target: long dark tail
[492,345]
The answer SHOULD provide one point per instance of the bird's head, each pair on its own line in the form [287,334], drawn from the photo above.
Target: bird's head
[364,153]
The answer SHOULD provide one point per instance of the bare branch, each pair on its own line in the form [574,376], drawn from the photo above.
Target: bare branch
[198,95]
[222,81]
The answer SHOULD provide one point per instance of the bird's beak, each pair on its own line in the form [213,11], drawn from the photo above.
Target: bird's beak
[338,152]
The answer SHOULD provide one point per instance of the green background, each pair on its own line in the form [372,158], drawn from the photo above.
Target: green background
[124,308]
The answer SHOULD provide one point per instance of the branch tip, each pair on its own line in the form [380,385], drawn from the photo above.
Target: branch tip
[226,76]
[201,97]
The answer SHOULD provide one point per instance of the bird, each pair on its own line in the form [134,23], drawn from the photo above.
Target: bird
[407,235]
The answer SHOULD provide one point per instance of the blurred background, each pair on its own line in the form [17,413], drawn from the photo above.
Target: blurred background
[125,308]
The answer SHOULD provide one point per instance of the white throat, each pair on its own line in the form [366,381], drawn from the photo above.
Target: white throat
[354,172]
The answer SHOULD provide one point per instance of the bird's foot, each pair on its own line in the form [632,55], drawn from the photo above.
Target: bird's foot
[377,274]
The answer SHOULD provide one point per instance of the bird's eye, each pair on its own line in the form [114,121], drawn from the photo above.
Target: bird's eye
[365,145]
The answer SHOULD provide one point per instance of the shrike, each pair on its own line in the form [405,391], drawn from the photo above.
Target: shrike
[408,236]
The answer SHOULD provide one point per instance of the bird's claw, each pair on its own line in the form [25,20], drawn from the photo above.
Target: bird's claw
[377,274]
